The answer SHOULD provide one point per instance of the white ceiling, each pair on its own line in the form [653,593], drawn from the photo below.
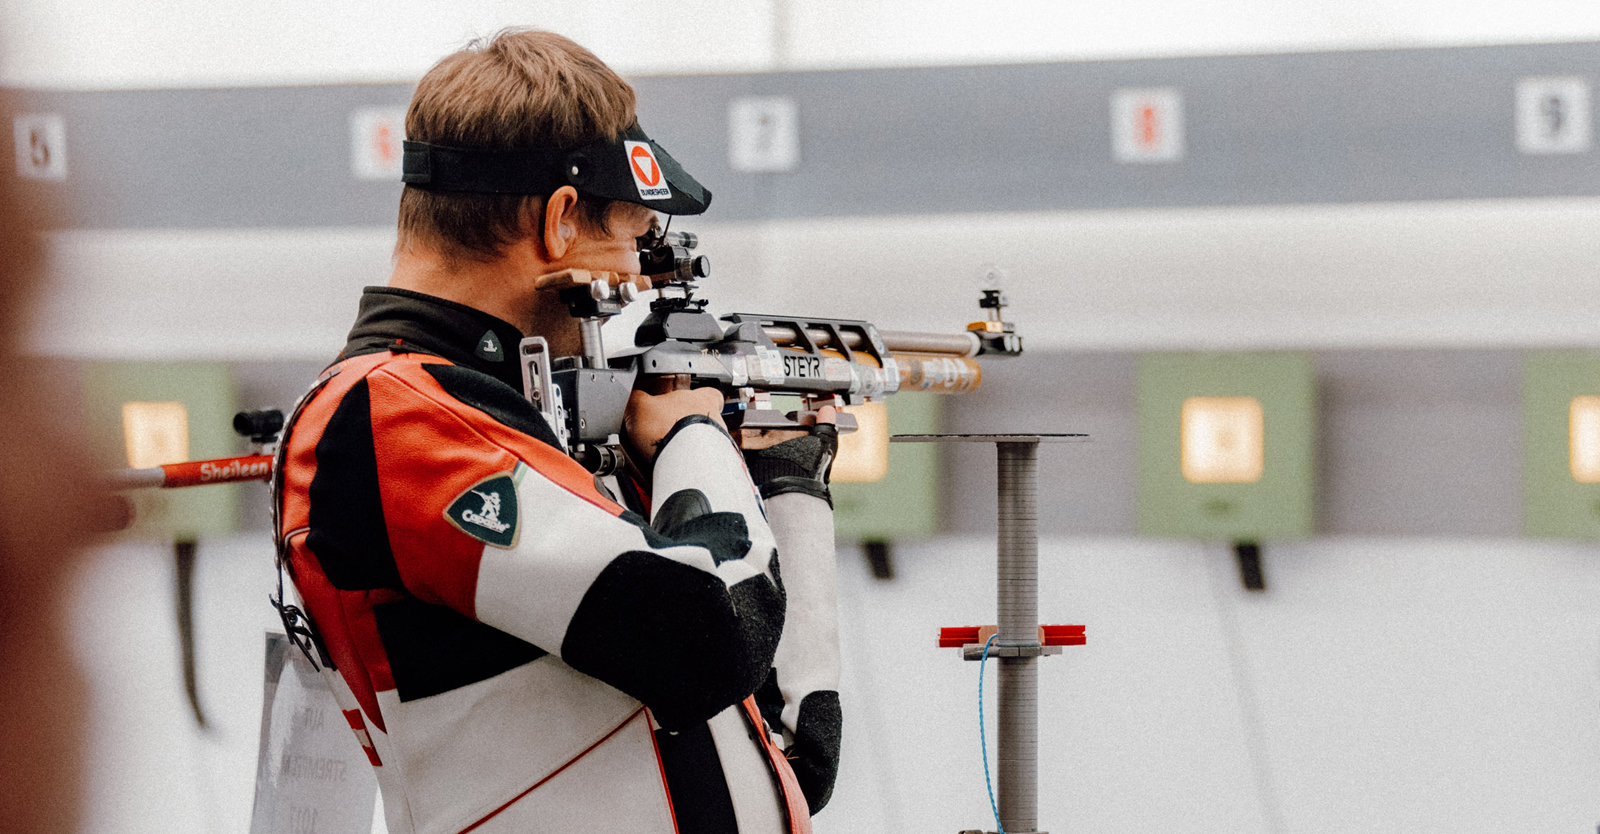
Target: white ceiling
[91,44]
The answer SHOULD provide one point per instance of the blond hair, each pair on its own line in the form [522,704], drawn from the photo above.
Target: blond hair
[520,88]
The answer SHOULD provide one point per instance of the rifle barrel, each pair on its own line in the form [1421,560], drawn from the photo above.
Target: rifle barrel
[911,341]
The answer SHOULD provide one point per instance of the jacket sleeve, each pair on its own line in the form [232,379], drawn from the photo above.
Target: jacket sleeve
[801,694]
[487,516]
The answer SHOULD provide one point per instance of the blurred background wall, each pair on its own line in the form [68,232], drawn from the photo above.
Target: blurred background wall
[1350,185]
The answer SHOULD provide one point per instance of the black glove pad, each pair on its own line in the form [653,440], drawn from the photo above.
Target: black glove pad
[802,464]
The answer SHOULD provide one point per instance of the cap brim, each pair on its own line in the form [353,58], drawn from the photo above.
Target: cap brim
[632,168]
[620,171]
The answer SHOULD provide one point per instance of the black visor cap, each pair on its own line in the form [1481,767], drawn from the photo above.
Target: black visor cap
[631,168]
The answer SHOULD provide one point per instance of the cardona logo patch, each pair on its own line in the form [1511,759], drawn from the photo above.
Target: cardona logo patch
[487,511]
[646,172]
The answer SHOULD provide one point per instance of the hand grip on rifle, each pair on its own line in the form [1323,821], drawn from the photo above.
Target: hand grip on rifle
[650,417]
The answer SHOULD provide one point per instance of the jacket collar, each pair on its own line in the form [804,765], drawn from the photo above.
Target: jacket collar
[405,321]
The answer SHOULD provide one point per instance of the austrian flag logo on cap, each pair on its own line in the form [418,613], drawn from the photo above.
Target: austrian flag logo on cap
[646,172]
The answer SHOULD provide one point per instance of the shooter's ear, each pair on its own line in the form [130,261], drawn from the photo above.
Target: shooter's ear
[560,221]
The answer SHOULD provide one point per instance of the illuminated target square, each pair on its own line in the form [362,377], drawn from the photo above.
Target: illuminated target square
[891,492]
[863,456]
[155,433]
[1583,439]
[1223,440]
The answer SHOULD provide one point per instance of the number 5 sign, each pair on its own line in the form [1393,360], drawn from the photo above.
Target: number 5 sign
[41,145]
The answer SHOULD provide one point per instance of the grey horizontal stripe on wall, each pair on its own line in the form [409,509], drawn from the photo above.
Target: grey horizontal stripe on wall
[1334,127]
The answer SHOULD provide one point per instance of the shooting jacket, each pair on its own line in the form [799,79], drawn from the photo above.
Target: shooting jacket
[517,651]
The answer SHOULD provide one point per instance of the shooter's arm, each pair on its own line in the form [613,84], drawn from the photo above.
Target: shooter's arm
[800,698]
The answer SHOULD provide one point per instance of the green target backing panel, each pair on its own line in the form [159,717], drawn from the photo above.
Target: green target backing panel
[1227,445]
[1561,444]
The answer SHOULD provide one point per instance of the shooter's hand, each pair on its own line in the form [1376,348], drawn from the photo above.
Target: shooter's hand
[788,460]
[751,439]
[649,417]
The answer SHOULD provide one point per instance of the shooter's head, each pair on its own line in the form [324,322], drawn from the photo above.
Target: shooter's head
[497,128]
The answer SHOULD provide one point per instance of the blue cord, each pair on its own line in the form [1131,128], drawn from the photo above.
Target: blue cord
[983,739]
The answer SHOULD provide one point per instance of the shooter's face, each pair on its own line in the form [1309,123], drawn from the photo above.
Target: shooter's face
[616,251]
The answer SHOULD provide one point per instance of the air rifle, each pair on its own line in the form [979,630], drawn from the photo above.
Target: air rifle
[750,358]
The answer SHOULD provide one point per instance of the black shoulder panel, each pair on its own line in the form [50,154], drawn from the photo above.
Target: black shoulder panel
[815,754]
[701,803]
[434,649]
[346,529]
[494,398]
[675,636]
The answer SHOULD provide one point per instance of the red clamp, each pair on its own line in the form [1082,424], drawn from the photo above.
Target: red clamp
[954,637]
[971,640]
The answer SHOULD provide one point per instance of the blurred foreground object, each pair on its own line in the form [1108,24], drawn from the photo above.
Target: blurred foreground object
[49,506]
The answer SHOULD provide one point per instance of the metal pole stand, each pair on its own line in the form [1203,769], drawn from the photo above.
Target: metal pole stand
[1021,639]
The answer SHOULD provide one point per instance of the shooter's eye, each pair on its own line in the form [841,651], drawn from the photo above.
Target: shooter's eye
[653,237]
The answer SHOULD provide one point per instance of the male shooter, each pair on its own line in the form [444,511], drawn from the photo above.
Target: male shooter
[518,650]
